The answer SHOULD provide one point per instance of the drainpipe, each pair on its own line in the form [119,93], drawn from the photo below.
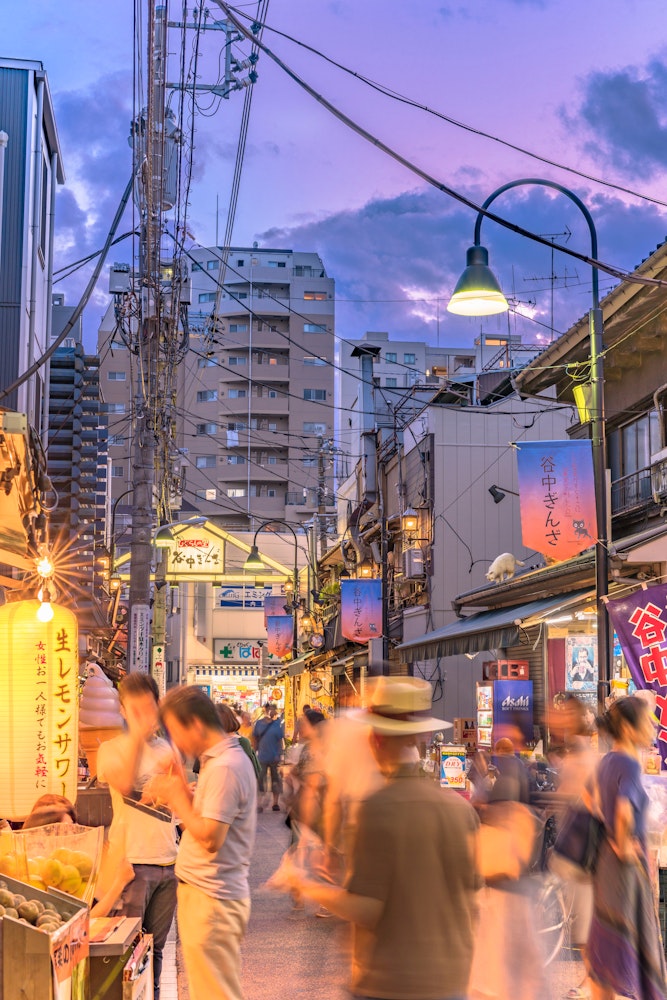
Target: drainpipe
[34,232]
[49,303]
[4,139]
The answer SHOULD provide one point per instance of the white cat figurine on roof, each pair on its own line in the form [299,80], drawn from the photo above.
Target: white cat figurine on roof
[503,567]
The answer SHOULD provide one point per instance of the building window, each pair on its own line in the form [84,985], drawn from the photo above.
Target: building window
[240,263]
[236,460]
[237,360]
[270,492]
[207,296]
[117,345]
[303,271]
[203,429]
[272,425]
[209,494]
[239,295]
[116,376]
[460,362]
[314,328]
[409,359]
[207,396]
[115,407]
[390,356]
[238,327]
[275,263]
[117,471]
[631,446]
[310,427]
[116,440]
[207,363]
[236,425]
[315,296]
[205,461]
[309,462]
[237,393]
[212,265]
[314,361]
[391,383]
[196,266]
[236,491]
[316,395]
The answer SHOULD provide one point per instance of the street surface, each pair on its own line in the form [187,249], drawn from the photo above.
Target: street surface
[294,955]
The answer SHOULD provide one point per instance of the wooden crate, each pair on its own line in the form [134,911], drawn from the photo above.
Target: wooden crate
[35,965]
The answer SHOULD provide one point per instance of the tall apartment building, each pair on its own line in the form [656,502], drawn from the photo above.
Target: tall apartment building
[254,412]
[30,168]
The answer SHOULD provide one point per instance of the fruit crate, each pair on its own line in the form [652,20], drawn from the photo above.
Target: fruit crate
[61,856]
[44,964]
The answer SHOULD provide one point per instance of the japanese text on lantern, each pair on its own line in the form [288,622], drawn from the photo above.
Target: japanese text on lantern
[41,764]
[63,698]
[649,629]
[550,499]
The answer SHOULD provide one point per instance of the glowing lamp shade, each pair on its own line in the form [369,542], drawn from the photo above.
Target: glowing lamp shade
[254,560]
[477,291]
[39,706]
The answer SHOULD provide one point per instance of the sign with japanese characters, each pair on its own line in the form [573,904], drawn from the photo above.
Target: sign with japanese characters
[242,651]
[195,555]
[640,621]
[361,609]
[280,632]
[39,706]
[557,497]
[244,595]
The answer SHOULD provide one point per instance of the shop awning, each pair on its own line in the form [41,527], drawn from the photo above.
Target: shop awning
[357,659]
[494,629]
[295,667]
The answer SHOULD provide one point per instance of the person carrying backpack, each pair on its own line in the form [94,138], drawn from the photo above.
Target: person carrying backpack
[268,737]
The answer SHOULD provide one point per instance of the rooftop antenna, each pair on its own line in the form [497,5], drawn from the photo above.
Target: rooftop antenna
[553,277]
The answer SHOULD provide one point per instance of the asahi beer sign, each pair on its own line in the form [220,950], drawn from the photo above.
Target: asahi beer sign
[513,707]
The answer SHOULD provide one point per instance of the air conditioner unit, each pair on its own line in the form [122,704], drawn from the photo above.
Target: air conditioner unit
[659,475]
[413,564]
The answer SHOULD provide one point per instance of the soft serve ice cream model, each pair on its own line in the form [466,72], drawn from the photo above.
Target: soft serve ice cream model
[99,714]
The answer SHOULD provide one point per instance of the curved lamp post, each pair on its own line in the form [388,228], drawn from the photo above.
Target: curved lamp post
[254,562]
[478,293]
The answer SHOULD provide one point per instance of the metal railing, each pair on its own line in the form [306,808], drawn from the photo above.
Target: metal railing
[636,489]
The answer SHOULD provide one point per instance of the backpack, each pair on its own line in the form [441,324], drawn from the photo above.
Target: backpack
[254,759]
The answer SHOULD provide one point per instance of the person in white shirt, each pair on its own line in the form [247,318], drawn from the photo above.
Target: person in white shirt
[145,835]
[215,849]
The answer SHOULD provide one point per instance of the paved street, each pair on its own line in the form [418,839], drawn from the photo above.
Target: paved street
[297,955]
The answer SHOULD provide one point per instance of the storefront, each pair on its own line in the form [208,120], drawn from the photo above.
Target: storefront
[238,683]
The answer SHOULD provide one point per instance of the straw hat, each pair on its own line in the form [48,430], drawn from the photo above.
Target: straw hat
[400,706]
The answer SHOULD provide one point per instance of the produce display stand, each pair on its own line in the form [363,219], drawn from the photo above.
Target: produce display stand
[121,960]
[41,966]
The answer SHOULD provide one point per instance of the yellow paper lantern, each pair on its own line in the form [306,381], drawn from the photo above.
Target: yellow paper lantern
[39,706]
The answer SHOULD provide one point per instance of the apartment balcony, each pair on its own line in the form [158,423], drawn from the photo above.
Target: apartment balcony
[307,498]
[260,433]
[641,490]
[272,406]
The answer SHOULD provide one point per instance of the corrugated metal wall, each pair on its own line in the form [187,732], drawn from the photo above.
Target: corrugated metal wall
[13,120]
[534,649]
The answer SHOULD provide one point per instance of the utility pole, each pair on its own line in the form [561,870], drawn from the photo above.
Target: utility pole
[149,147]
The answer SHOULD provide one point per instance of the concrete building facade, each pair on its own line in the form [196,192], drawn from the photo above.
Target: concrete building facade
[254,408]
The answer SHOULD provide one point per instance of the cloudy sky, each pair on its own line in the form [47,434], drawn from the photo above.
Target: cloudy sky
[582,85]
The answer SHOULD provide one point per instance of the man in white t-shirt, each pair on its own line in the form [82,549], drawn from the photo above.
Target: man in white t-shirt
[216,846]
[144,834]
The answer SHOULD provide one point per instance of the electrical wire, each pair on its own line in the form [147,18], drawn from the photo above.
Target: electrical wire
[403,99]
[616,272]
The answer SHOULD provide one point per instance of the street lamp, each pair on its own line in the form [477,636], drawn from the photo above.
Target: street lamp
[478,293]
[254,563]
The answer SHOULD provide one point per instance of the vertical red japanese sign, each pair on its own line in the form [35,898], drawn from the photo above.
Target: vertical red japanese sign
[557,496]
[640,621]
[280,634]
[39,706]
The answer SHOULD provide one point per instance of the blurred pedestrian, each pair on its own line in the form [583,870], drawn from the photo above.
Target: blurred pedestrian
[144,836]
[268,738]
[215,849]
[624,953]
[410,893]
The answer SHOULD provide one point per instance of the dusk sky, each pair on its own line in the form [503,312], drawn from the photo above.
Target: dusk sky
[581,84]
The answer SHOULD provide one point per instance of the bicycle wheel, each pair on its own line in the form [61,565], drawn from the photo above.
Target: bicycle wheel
[553,919]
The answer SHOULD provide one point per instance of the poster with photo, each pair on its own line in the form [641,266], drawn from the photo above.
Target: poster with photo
[581,663]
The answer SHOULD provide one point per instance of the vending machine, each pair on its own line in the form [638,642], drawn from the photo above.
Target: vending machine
[503,702]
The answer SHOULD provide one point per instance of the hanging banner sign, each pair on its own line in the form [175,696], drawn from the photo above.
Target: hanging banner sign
[280,631]
[557,496]
[640,621]
[361,609]
[274,606]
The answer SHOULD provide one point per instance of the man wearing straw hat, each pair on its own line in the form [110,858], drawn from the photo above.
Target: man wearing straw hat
[410,892]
